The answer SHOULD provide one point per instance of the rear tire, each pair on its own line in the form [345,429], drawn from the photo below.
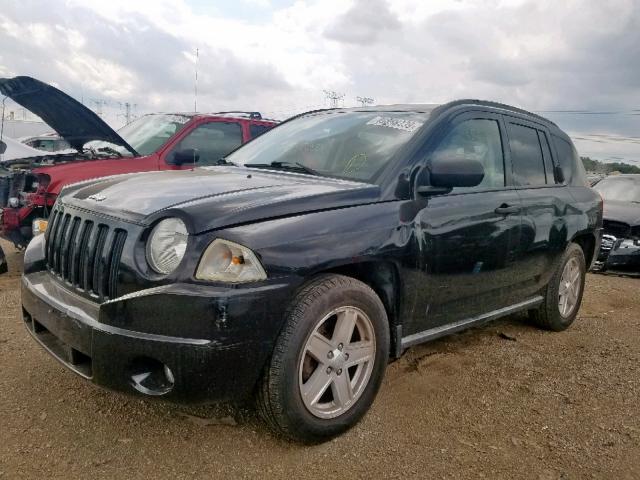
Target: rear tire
[563,293]
[321,379]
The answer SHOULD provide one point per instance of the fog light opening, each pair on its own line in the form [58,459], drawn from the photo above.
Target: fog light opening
[151,377]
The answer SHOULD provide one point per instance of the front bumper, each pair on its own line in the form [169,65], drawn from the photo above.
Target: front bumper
[214,341]
[13,229]
[616,256]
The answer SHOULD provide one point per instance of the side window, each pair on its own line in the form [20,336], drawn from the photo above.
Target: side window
[477,139]
[213,140]
[257,130]
[526,155]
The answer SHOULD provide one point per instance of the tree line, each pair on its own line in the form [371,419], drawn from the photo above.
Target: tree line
[591,165]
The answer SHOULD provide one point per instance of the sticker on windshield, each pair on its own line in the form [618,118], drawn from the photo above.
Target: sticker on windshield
[397,123]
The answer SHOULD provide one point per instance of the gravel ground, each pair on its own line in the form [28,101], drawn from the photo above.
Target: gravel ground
[503,401]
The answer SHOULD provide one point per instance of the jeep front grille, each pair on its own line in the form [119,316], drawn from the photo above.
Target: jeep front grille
[85,253]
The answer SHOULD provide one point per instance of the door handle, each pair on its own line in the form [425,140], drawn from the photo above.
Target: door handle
[505,209]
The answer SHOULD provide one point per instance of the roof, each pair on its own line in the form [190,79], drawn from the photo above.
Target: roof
[438,108]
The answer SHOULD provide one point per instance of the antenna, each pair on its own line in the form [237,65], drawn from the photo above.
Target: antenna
[365,100]
[333,97]
[4,99]
[195,85]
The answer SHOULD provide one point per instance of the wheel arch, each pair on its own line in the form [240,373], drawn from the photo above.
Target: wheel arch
[384,279]
[587,242]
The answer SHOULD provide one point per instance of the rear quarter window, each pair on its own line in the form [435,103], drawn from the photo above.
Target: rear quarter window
[257,130]
[570,162]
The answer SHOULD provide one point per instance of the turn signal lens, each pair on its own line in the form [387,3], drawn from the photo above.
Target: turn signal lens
[226,261]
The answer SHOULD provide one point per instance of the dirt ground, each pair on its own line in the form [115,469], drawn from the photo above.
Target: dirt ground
[503,401]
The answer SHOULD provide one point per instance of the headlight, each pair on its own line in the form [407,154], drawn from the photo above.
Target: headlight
[225,261]
[630,243]
[166,245]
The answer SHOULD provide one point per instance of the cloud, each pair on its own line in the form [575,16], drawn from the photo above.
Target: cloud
[366,22]
[539,55]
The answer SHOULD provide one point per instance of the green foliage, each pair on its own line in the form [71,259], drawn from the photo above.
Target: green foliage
[597,166]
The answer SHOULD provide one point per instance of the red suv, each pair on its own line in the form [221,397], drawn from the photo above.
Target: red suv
[29,187]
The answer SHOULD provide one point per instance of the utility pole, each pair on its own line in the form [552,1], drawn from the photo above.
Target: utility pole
[195,84]
[364,101]
[333,97]
[99,104]
[127,113]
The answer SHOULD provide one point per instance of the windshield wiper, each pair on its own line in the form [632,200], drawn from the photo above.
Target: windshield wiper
[224,161]
[104,151]
[293,166]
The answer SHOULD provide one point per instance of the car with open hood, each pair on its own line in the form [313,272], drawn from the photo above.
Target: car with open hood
[11,149]
[620,250]
[321,250]
[30,184]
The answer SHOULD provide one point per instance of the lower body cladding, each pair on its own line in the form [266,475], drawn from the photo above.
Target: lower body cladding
[134,344]
[618,255]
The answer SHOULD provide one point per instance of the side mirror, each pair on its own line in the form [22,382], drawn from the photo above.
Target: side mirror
[447,172]
[184,156]
[559,174]
[3,147]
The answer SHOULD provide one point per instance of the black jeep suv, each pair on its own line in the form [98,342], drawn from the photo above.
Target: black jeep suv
[312,255]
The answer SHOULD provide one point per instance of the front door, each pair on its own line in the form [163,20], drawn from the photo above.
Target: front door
[468,238]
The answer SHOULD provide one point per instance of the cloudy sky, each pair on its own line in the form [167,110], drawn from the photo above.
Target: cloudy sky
[576,61]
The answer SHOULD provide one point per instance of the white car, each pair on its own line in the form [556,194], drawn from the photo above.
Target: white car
[11,149]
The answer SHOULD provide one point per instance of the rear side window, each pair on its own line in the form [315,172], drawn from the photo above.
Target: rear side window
[213,141]
[526,155]
[570,162]
[257,130]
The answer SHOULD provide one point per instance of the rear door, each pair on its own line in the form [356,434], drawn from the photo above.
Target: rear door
[469,237]
[544,200]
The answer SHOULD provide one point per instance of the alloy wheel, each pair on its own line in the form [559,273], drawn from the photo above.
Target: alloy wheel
[337,361]
[569,289]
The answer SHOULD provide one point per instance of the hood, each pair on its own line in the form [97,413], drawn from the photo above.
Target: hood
[627,212]
[211,198]
[69,118]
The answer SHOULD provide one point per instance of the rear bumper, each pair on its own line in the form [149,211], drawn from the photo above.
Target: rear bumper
[108,344]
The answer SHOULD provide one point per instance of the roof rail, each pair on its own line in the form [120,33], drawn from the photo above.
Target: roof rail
[487,103]
[239,113]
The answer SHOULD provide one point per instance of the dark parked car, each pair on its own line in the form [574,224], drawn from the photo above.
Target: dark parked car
[620,250]
[321,250]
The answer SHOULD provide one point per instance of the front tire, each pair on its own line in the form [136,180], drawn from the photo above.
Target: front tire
[328,361]
[563,293]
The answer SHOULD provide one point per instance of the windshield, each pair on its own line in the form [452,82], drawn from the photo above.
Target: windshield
[353,145]
[623,189]
[146,134]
